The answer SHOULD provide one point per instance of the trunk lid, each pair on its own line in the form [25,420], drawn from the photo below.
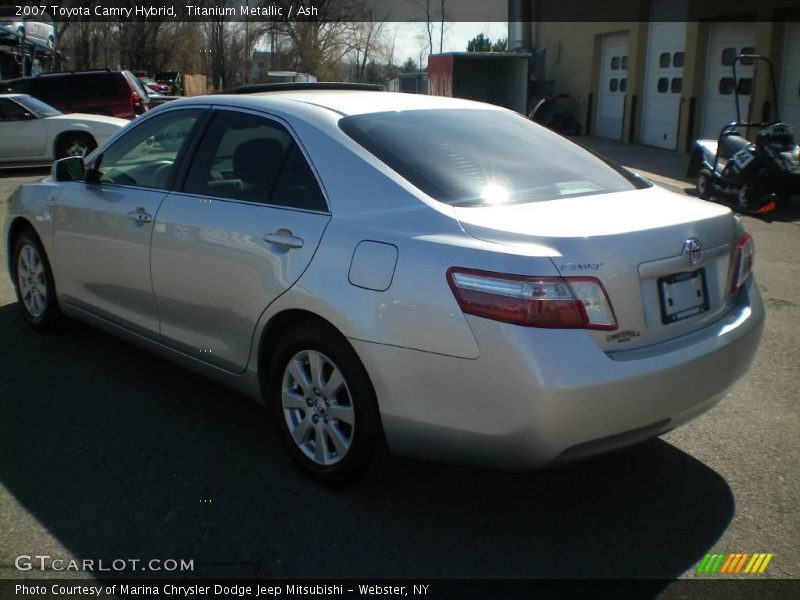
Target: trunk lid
[633,242]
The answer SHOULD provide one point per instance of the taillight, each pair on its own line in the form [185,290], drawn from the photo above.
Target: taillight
[743,263]
[551,302]
[136,102]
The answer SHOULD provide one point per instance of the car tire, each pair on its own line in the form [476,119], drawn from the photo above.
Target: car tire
[33,281]
[325,407]
[705,184]
[75,144]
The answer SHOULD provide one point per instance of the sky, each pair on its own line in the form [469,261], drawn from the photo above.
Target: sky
[411,38]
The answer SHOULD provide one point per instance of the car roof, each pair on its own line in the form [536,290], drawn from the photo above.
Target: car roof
[349,102]
[88,72]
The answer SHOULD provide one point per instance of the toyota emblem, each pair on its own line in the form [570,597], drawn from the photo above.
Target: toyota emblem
[692,251]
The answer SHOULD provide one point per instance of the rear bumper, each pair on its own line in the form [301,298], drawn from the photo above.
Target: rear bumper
[539,397]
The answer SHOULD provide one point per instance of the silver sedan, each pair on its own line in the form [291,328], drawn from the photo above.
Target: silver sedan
[430,277]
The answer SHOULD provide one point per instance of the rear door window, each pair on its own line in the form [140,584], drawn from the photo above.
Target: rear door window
[53,90]
[102,85]
[248,157]
[21,86]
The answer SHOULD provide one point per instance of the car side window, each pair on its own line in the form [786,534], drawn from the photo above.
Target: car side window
[147,155]
[17,87]
[248,157]
[11,111]
[296,186]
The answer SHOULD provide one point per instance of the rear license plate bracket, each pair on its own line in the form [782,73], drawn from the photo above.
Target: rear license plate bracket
[682,295]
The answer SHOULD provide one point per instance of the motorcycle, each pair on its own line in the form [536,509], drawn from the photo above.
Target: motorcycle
[762,174]
[556,113]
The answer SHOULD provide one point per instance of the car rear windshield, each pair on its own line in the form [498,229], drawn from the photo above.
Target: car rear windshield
[475,157]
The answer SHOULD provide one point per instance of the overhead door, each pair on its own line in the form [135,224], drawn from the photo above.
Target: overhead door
[613,85]
[663,84]
[790,77]
[725,42]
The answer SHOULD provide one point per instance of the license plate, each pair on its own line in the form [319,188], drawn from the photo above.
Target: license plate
[683,295]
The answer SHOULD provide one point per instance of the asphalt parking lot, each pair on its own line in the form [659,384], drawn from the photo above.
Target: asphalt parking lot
[108,452]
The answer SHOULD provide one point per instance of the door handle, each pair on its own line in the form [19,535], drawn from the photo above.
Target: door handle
[140,216]
[283,237]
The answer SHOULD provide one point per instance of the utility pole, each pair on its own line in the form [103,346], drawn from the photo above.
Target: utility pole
[247,43]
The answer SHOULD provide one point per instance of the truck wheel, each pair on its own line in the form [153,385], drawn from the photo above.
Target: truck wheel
[75,144]
[705,184]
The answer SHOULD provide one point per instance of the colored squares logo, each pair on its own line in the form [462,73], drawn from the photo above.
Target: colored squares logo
[736,562]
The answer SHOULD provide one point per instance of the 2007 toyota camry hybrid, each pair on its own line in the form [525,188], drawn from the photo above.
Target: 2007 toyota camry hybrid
[425,276]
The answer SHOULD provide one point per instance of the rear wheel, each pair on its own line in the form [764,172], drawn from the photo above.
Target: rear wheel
[705,184]
[753,201]
[325,406]
[33,281]
[75,144]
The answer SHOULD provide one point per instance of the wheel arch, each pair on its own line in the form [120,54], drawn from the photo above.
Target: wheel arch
[278,325]
[62,135]
[14,229]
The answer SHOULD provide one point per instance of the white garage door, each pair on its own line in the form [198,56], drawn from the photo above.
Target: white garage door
[725,42]
[613,84]
[663,84]
[790,78]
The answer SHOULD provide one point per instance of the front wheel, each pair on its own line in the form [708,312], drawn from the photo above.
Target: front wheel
[325,407]
[33,281]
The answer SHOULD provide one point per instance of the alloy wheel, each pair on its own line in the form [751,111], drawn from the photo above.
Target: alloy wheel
[318,407]
[32,281]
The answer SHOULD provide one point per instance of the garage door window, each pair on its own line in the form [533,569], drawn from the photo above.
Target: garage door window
[613,85]
[663,60]
[624,62]
[748,50]
[615,63]
[726,86]
[745,86]
[663,85]
[678,59]
[677,85]
[728,54]
[623,84]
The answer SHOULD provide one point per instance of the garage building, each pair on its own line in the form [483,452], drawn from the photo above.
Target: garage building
[664,78]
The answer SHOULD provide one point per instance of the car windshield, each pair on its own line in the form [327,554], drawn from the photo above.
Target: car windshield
[37,106]
[166,76]
[478,157]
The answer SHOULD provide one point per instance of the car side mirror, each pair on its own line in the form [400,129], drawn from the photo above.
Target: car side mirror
[71,168]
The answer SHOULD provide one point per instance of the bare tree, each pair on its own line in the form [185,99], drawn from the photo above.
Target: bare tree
[368,37]
[321,44]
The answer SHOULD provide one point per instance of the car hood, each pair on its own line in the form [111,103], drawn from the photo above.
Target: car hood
[630,241]
[111,123]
